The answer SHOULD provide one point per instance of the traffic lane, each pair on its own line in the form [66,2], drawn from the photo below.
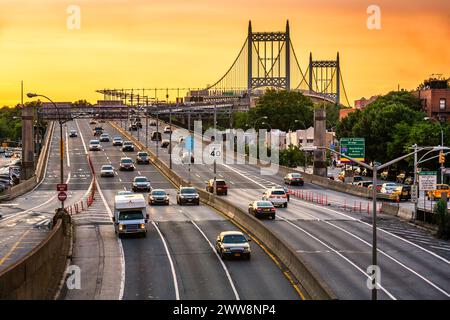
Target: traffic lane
[432,268]
[346,281]
[400,282]
[201,215]
[25,224]
[199,272]
[192,284]
[258,278]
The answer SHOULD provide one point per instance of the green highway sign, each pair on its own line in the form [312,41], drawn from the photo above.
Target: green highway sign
[354,148]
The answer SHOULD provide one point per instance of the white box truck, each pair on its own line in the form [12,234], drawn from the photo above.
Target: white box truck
[130,216]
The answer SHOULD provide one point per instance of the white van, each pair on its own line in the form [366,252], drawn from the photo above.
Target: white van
[130,215]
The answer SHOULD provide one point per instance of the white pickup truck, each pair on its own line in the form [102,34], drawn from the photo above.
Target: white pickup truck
[130,215]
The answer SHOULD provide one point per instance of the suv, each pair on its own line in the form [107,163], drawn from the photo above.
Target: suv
[188,195]
[94,145]
[127,146]
[126,164]
[117,141]
[277,196]
[104,137]
[98,131]
[142,157]
[222,187]
[294,178]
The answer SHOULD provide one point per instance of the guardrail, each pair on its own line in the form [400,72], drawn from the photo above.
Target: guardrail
[85,202]
[37,275]
[307,277]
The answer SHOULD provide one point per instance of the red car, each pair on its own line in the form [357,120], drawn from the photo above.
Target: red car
[222,188]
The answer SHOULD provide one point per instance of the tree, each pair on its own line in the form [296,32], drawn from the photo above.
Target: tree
[383,124]
[282,108]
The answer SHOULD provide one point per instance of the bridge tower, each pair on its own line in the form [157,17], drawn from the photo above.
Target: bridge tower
[270,66]
[325,77]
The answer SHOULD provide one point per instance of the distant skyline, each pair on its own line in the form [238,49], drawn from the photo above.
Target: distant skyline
[176,43]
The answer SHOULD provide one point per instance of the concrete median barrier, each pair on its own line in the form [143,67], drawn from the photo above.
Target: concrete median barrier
[37,275]
[308,279]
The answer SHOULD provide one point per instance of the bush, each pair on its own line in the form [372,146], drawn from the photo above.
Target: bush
[443,219]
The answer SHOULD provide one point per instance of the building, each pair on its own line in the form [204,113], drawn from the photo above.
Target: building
[305,138]
[359,105]
[435,99]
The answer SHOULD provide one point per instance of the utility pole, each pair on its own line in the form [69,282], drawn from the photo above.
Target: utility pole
[215,138]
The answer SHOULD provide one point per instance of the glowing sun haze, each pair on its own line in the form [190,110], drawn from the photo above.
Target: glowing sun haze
[178,43]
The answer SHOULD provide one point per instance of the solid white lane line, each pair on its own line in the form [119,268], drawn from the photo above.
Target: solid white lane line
[382,230]
[230,280]
[172,266]
[339,254]
[390,257]
[36,207]
[354,219]
[67,149]
[122,256]
[81,136]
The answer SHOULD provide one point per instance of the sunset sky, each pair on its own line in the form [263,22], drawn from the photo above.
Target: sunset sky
[179,43]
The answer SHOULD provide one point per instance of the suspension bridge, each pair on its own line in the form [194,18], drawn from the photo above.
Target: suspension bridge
[265,60]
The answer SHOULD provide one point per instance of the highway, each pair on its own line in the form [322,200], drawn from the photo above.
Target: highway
[336,243]
[177,260]
[26,218]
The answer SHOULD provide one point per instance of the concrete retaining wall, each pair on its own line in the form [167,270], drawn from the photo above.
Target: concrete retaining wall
[30,184]
[309,280]
[37,275]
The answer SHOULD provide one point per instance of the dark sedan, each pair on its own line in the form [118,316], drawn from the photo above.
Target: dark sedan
[262,209]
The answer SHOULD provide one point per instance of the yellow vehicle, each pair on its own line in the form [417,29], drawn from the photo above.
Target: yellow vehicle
[436,194]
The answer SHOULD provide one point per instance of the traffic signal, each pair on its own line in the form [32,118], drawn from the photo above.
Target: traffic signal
[441,157]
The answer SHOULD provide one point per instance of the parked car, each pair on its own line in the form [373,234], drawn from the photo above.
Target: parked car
[188,195]
[437,194]
[261,209]
[126,164]
[233,244]
[158,196]
[277,196]
[222,188]
[294,179]
[141,183]
[379,186]
[364,184]
[94,145]
[142,157]
[401,193]
[388,187]
[357,179]
[127,146]
[107,170]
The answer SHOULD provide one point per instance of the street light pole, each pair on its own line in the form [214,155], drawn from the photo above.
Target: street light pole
[61,140]
[375,170]
[215,164]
